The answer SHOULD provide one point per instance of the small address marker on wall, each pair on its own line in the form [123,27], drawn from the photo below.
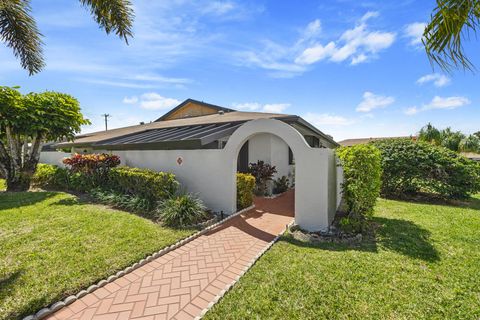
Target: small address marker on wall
[179,161]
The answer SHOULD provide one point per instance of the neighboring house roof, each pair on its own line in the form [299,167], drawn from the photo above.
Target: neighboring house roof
[471,155]
[191,132]
[212,107]
[353,142]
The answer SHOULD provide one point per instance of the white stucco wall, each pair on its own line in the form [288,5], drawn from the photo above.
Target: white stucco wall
[211,173]
[53,157]
[271,149]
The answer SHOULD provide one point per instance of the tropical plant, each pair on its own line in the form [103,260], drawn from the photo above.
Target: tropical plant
[477,134]
[412,167]
[181,210]
[245,189]
[430,134]
[470,144]
[451,139]
[128,202]
[362,173]
[27,121]
[451,23]
[18,28]
[263,172]
[281,185]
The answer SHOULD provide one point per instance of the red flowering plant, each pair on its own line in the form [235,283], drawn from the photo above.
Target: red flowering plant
[94,166]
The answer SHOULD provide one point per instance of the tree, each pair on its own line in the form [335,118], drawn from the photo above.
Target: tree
[19,31]
[451,139]
[430,134]
[470,144]
[26,121]
[451,22]
[477,134]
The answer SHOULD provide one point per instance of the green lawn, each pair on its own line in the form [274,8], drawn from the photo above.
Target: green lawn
[52,246]
[424,264]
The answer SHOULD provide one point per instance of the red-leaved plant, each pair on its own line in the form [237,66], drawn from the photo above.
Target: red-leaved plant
[94,165]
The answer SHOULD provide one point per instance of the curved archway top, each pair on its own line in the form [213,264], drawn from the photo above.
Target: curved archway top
[289,134]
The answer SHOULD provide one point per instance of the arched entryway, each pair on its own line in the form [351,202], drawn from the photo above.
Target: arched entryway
[315,172]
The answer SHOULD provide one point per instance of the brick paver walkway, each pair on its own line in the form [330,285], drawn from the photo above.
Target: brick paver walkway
[180,284]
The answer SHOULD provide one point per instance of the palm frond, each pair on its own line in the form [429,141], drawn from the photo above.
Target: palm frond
[113,16]
[451,23]
[19,31]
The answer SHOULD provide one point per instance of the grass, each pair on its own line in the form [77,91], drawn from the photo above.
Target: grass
[424,264]
[52,245]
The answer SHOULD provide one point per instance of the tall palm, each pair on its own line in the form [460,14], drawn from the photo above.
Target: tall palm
[19,31]
[452,21]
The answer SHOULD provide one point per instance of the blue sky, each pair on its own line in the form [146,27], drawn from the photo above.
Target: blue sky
[352,68]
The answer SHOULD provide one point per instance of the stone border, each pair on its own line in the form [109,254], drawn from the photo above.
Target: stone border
[245,270]
[42,313]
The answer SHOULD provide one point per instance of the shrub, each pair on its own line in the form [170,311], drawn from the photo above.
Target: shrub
[281,185]
[245,188]
[362,178]
[123,201]
[263,172]
[48,176]
[147,184]
[181,210]
[413,167]
[94,166]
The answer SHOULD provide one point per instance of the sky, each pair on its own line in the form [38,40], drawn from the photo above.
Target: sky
[352,68]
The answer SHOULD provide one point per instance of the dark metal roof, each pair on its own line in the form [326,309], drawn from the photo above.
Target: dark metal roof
[213,106]
[189,137]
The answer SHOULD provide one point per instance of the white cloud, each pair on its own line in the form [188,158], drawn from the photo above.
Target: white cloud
[447,103]
[130,100]
[258,107]
[372,101]
[359,44]
[414,32]
[444,103]
[154,101]
[219,7]
[439,80]
[275,107]
[327,119]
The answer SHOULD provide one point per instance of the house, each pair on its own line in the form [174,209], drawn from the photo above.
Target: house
[198,125]
[205,144]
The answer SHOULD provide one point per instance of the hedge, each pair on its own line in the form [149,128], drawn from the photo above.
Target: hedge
[362,178]
[144,183]
[245,189]
[411,167]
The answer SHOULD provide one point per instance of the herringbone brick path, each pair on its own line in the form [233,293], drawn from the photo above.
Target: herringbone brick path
[180,284]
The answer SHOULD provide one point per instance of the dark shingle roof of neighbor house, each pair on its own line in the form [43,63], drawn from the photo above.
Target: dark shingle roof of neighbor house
[191,132]
[213,106]
[353,142]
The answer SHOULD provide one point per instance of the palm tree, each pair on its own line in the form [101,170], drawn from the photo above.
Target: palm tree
[430,134]
[19,31]
[451,22]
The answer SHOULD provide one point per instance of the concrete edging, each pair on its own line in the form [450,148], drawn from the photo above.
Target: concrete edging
[42,313]
[245,270]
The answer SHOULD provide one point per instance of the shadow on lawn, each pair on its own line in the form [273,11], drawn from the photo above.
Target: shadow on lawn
[401,236]
[428,199]
[10,200]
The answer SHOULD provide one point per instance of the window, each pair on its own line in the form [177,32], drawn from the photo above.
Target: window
[291,159]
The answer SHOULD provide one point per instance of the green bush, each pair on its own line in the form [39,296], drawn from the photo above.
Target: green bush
[412,167]
[245,188]
[48,176]
[123,201]
[181,210]
[362,178]
[280,185]
[147,184]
